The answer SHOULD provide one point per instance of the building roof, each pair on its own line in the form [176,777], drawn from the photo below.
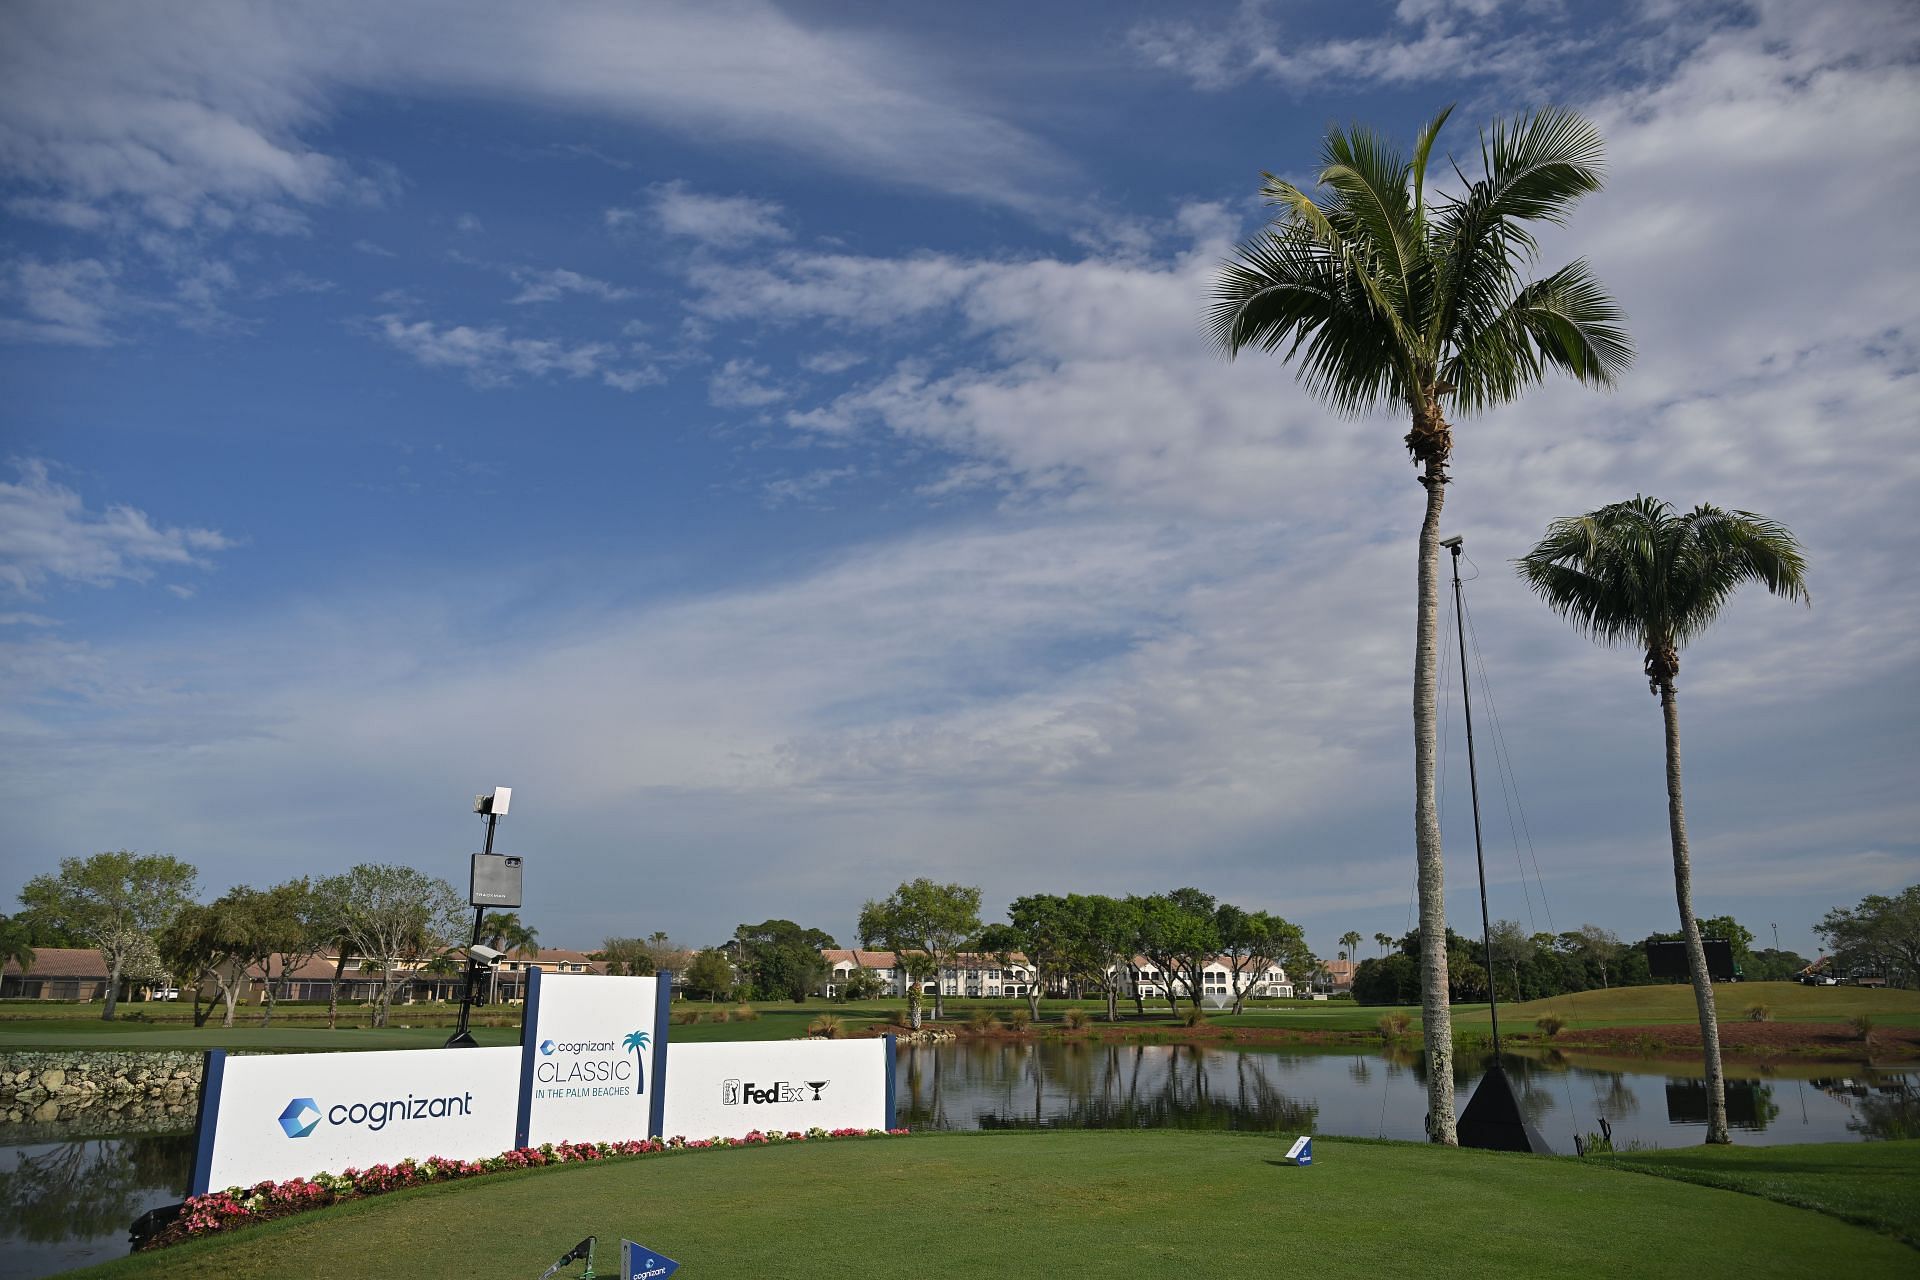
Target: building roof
[64,962]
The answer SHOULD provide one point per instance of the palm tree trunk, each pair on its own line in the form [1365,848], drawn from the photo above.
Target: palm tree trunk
[333,988]
[1436,1016]
[1696,953]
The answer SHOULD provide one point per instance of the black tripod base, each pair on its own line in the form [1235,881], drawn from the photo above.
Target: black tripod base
[1493,1120]
[461,1039]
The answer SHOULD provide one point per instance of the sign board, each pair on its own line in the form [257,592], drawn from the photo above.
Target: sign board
[1301,1152]
[279,1116]
[637,1262]
[730,1090]
[593,1053]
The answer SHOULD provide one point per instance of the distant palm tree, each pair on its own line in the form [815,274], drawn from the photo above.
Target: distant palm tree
[636,1041]
[1385,940]
[15,944]
[1351,941]
[1385,299]
[503,931]
[1639,573]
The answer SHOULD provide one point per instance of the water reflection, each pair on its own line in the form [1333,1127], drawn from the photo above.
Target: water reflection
[984,1085]
[1049,1084]
[66,1204]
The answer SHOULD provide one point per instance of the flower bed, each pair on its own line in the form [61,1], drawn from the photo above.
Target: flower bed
[219,1211]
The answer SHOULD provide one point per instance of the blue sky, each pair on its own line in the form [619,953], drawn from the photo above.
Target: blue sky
[780,443]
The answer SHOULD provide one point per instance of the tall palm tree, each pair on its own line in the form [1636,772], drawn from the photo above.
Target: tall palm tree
[1640,573]
[1383,296]
[1385,940]
[1351,941]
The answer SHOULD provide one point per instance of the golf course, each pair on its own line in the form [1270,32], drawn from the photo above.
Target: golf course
[1108,1203]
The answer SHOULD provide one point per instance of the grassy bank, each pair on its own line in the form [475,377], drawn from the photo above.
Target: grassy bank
[1073,1203]
[46,1025]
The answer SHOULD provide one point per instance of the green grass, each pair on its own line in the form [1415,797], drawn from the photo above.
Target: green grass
[1876,1184]
[1066,1203]
[1641,1006]
[27,1024]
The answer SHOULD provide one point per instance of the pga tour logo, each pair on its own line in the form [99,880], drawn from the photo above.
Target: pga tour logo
[735,1092]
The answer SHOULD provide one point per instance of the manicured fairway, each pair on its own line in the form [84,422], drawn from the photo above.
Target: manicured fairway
[1642,1006]
[1067,1204]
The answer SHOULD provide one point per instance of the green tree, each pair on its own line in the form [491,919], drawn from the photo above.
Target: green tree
[1382,297]
[391,917]
[1051,931]
[1179,933]
[16,943]
[711,973]
[1639,573]
[1879,936]
[782,961]
[923,924]
[1250,941]
[628,957]
[292,929]
[1383,941]
[1003,942]
[116,902]
[1351,941]
[1103,946]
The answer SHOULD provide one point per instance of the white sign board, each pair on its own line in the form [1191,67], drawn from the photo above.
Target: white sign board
[593,1053]
[279,1116]
[730,1090]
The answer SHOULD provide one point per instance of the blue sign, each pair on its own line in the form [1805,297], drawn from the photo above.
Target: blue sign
[1301,1152]
[637,1262]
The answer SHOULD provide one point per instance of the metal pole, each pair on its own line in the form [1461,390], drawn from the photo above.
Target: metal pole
[1473,783]
[463,1038]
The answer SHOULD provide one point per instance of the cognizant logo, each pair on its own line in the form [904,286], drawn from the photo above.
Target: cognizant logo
[303,1115]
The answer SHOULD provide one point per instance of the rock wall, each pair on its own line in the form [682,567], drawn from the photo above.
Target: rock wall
[40,1087]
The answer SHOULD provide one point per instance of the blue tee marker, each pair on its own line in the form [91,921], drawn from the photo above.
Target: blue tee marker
[637,1262]
[1301,1152]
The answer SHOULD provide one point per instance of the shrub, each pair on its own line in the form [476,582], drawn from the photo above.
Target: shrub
[1646,1045]
[983,1020]
[1076,1019]
[746,1013]
[1019,1019]
[1862,1027]
[1196,1017]
[1759,1013]
[720,1015]
[1550,1024]
[827,1026]
[1394,1025]
[682,1017]
[900,1018]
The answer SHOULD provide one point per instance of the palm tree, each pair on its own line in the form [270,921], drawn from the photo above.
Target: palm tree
[1351,941]
[1382,297]
[1385,940]
[1639,573]
[635,1042]
[503,931]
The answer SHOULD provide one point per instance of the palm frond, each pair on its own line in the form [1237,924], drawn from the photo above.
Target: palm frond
[1368,178]
[1285,290]
[1566,320]
[1422,148]
[1637,571]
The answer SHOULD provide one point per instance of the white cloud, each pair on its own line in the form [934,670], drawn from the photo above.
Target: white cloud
[201,116]
[491,357]
[72,302]
[721,221]
[47,533]
[556,283]
[805,490]
[742,384]
[832,361]
[469,224]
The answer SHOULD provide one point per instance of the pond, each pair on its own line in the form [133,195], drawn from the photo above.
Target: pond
[1047,1084]
[68,1193]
